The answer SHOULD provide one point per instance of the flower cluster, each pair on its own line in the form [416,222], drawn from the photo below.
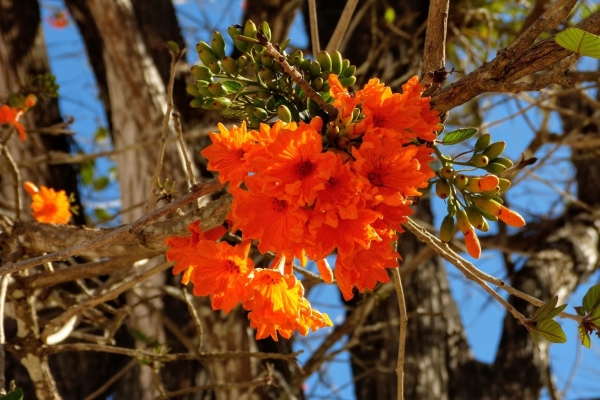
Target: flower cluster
[48,205]
[306,190]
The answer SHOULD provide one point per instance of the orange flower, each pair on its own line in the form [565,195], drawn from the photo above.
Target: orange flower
[278,224]
[49,206]
[182,249]
[294,165]
[365,267]
[226,154]
[342,98]
[309,318]
[340,190]
[222,272]
[390,172]
[404,116]
[58,20]
[9,115]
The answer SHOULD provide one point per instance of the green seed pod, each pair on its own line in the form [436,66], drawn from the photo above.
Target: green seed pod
[442,189]
[504,161]
[258,102]
[475,217]
[305,65]
[217,89]
[229,65]
[266,74]
[284,114]
[348,72]
[345,64]
[203,46]
[482,143]
[263,94]
[266,29]
[236,30]
[221,103]
[215,67]
[202,73]
[317,83]
[197,102]
[250,29]
[206,56]
[336,62]
[460,181]
[315,69]
[495,168]
[463,221]
[193,90]
[504,184]
[347,82]
[447,229]
[203,88]
[479,160]
[266,60]
[207,105]
[325,60]
[242,62]
[260,113]
[494,150]
[447,172]
[218,45]
[277,68]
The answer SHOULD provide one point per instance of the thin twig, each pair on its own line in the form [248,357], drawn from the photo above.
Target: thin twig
[217,386]
[296,76]
[17,177]
[189,169]
[3,288]
[449,255]
[342,26]
[403,326]
[132,363]
[314,28]
[175,56]
[194,313]
[196,192]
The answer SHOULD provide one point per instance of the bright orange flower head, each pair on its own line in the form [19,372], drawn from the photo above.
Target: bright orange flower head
[223,272]
[49,206]
[389,171]
[278,224]
[294,165]
[9,115]
[404,116]
[342,98]
[226,154]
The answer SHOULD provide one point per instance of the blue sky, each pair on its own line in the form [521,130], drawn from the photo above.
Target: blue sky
[481,315]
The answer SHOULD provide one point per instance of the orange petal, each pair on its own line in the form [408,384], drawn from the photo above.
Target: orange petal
[511,217]
[472,244]
[488,182]
[30,187]
[325,270]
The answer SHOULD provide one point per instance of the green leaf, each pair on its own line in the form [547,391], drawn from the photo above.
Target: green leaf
[548,310]
[580,311]
[459,135]
[390,15]
[594,316]
[584,336]
[17,394]
[101,183]
[101,134]
[172,46]
[551,331]
[591,298]
[232,86]
[101,214]
[87,172]
[579,41]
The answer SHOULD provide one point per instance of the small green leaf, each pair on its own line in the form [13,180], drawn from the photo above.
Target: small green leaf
[232,86]
[551,331]
[101,183]
[101,134]
[594,316]
[87,172]
[459,135]
[390,15]
[591,298]
[101,214]
[548,310]
[584,336]
[580,311]
[17,394]
[579,41]
[172,46]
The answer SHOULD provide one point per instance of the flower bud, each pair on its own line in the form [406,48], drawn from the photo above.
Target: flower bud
[482,143]
[336,62]
[284,113]
[460,181]
[475,217]
[230,65]
[494,150]
[218,45]
[447,172]
[495,168]
[325,60]
[504,161]
[217,89]
[479,160]
[447,229]
[442,189]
